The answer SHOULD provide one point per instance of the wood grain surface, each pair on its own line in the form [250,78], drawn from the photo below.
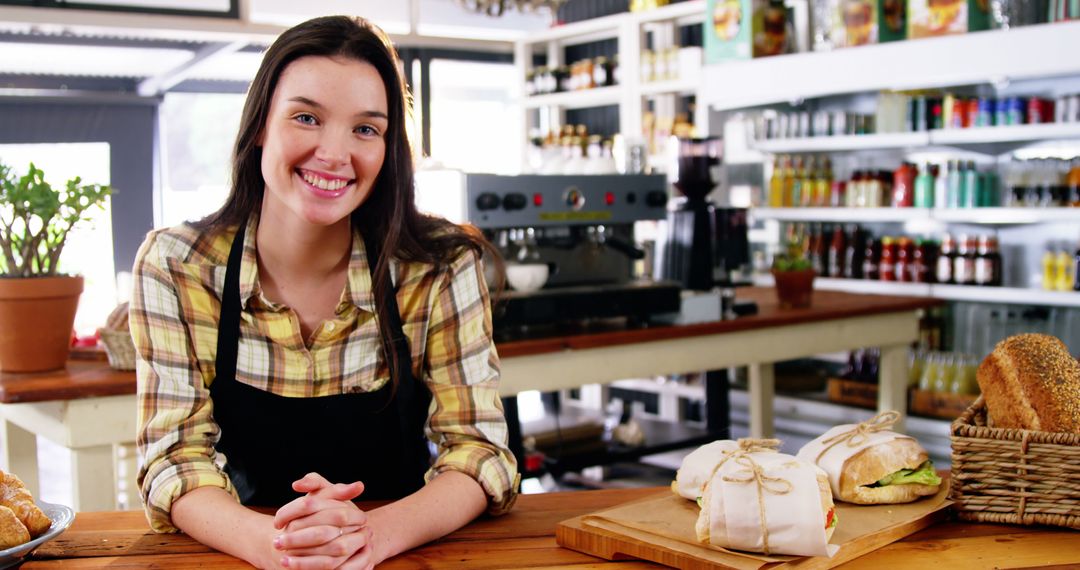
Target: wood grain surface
[525,538]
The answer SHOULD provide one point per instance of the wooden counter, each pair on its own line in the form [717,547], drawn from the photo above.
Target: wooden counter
[90,409]
[525,538]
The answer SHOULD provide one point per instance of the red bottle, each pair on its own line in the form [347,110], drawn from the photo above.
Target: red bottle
[903,194]
[887,265]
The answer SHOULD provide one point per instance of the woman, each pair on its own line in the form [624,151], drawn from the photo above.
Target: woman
[308,332]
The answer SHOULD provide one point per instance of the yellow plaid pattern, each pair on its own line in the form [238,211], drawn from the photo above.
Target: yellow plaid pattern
[179,275]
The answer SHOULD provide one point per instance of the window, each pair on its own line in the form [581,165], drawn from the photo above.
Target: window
[88,250]
[475,125]
[198,131]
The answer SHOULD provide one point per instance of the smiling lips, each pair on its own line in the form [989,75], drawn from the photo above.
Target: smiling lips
[329,187]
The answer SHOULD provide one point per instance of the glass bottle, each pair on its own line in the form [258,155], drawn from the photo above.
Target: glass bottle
[871,269]
[837,253]
[776,182]
[1049,268]
[823,183]
[855,253]
[943,272]
[964,262]
[887,266]
[905,254]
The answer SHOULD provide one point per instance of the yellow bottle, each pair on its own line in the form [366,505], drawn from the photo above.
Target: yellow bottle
[809,184]
[1064,268]
[776,183]
[823,184]
[789,184]
[1049,269]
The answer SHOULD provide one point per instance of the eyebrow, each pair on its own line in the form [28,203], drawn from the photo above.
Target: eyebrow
[317,105]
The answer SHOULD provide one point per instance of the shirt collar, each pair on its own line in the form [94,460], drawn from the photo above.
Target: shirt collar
[359,288]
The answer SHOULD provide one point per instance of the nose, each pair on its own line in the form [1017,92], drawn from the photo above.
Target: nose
[333,148]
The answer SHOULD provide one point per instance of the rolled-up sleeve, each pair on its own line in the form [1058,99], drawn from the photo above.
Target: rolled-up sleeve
[467,422]
[176,428]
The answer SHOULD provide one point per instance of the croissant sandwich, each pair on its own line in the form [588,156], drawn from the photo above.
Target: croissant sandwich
[868,464]
[768,502]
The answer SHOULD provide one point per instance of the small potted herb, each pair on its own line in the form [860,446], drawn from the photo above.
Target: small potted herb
[37,301]
[794,275]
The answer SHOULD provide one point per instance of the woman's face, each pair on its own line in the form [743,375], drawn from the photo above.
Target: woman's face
[323,143]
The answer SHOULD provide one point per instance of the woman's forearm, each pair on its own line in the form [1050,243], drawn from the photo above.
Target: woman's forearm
[447,503]
[213,517]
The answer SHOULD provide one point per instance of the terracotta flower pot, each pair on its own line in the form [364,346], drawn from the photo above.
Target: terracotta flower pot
[36,315]
[794,289]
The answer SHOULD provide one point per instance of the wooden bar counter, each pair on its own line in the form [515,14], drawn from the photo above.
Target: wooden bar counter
[525,538]
[90,408]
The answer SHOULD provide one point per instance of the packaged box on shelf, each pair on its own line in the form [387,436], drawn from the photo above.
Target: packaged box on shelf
[853,393]
[741,29]
[927,18]
[943,405]
[854,22]
[892,20]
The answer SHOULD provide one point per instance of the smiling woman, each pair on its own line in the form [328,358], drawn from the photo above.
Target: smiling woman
[319,332]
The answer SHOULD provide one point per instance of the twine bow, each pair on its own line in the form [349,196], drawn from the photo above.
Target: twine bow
[861,432]
[752,472]
[746,445]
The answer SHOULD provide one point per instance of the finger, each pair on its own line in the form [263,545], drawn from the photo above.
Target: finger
[359,561]
[341,547]
[311,537]
[311,562]
[310,482]
[341,491]
[307,505]
[346,515]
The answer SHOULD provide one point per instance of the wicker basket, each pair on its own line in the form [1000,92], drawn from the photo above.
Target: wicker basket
[119,348]
[1013,475]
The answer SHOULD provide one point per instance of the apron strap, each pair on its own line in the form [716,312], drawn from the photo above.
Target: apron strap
[229,322]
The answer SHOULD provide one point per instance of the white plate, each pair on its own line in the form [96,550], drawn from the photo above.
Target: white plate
[61,517]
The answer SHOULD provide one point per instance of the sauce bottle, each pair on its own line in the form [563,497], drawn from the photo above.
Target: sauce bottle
[887,265]
[837,253]
[943,272]
[855,253]
[964,262]
[921,262]
[871,269]
[984,263]
[904,259]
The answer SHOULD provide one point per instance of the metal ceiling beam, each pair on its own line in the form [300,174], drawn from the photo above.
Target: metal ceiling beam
[161,83]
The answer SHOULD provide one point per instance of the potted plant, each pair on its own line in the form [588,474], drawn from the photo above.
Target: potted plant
[37,303]
[794,275]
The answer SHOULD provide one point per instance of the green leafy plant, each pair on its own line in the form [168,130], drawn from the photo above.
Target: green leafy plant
[792,258]
[35,219]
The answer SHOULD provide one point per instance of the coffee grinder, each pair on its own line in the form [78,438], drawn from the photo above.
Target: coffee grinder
[687,254]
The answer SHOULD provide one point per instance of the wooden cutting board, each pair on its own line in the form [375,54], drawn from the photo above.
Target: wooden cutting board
[595,534]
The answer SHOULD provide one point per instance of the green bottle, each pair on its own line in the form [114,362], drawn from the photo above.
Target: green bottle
[971,183]
[924,188]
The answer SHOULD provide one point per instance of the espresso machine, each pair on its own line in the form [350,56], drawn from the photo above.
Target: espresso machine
[582,227]
[705,246]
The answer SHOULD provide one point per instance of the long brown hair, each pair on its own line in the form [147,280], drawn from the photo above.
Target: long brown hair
[388,216]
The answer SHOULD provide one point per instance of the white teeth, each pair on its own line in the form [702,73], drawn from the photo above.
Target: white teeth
[323,183]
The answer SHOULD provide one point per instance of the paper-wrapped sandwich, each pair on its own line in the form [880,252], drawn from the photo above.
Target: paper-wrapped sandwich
[698,467]
[868,464]
[769,502]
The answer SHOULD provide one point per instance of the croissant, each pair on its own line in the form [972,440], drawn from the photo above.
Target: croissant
[12,530]
[15,496]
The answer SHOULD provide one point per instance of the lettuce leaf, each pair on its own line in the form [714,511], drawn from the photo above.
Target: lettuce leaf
[923,475]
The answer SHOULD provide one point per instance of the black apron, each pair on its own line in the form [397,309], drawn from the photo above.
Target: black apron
[269,441]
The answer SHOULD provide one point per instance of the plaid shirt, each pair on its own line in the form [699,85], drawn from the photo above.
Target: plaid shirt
[179,277]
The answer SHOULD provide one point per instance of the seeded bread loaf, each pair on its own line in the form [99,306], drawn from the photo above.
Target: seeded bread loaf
[1030,381]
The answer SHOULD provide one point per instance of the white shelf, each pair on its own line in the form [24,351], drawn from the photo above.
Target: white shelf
[1007,295]
[846,142]
[980,57]
[839,214]
[595,97]
[1016,133]
[1002,216]
[689,12]
[678,86]
[938,291]
[983,216]
[608,26]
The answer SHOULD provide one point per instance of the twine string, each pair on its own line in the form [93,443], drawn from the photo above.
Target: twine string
[752,472]
[858,435]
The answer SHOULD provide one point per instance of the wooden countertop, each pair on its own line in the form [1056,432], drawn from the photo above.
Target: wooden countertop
[525,538]
[94,378]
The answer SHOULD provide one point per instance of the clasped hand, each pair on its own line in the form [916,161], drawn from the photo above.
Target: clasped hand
[324,529]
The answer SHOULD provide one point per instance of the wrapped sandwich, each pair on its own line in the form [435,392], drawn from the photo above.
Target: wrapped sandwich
[868,464]
[697,467]
[768,502]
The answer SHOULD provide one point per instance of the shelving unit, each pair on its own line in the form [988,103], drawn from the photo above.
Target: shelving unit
[984,139]
[629,29]
[947,292]
[982,216]
[995,57]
